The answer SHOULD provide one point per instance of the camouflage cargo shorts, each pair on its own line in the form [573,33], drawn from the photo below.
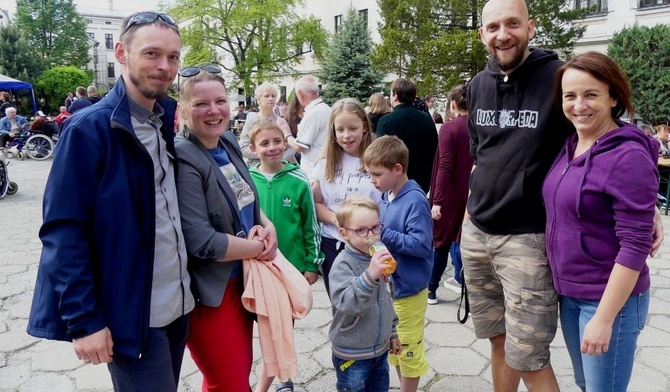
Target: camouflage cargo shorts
[511,291]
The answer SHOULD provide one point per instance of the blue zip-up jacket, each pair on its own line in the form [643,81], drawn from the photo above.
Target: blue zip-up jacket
[98,231]
[407,232]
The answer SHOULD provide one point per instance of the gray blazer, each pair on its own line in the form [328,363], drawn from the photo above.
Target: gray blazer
[205,201]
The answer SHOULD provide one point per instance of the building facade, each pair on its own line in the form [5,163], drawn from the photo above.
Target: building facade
[332,14]
[102,28]
[609,16]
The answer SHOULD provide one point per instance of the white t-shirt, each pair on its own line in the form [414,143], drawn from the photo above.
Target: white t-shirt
[348,181]
[312,133]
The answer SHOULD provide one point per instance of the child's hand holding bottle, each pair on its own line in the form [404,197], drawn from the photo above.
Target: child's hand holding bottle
[379,265]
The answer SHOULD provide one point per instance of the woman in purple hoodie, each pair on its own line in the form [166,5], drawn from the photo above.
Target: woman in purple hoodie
[600,197]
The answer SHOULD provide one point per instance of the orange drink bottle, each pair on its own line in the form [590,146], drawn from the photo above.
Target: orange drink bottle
[376,246]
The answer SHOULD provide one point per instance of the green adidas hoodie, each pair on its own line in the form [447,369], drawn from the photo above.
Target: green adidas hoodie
[288,202]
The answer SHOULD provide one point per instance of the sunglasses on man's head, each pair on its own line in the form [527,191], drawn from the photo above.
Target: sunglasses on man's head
[187,72]
[149,17]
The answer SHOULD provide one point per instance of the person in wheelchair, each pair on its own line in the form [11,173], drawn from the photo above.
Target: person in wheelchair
[43,124]
[11,126]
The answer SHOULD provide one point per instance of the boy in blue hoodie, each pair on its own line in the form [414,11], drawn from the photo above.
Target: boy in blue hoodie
[363,330]
[407,232]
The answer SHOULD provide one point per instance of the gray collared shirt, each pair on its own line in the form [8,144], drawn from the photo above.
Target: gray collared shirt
[170,290]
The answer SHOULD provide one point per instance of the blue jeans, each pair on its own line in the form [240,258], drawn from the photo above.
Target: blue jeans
[369,375]
[440,262]
[609,371]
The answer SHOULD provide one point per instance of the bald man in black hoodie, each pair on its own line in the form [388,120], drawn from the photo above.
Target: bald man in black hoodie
[515,134]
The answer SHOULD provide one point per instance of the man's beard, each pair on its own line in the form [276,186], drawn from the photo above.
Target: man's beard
[512,64]
[146,91]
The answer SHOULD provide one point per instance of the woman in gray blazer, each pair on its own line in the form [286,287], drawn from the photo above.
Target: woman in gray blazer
[219,205]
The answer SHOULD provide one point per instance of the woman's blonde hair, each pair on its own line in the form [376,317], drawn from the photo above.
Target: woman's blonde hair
[266,86]
[186,87]
[351,205]
[378,104]
[333,151]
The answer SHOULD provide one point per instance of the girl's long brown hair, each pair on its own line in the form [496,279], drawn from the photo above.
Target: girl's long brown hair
[333,151]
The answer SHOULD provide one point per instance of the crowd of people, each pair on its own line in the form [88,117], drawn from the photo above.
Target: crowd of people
[12,124]
[550,204]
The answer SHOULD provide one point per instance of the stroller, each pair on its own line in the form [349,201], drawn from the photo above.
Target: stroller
[6,187]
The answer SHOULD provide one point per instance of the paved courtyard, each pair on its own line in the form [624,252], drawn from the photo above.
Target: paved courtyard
[459,362]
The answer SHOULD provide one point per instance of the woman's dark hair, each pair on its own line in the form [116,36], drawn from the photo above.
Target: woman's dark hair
[293,114]
[606,70]
[437,117]
[457,95]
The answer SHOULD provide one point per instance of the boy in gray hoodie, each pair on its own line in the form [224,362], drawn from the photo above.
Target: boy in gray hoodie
[363,330]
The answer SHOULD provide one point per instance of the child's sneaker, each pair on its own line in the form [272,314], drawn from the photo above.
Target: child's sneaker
[452,284]
[432,298]
[286,386]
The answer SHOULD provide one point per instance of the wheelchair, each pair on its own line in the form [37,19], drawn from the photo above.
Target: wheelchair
[6,187]
[37,145]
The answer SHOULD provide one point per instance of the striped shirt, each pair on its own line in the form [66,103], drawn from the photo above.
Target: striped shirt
[171,297]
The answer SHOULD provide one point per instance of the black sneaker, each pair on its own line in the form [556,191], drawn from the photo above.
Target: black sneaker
[432,298]
[286,386]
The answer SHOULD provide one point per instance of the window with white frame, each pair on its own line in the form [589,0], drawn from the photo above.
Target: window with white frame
[653,3]
[594,7]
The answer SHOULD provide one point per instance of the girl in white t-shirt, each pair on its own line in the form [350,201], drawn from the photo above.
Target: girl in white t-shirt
[339,173]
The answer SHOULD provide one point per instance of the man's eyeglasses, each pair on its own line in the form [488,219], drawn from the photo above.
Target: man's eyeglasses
[188,72]
[364,231]
[149,17]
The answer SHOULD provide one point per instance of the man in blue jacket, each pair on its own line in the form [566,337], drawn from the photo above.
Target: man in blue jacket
[112,276]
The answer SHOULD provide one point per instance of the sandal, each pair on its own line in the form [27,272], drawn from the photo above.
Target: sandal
[286,386]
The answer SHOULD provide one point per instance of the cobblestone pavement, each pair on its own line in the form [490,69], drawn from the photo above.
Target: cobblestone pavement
[459,362]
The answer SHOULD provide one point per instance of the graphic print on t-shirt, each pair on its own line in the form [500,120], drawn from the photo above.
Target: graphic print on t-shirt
[243,192]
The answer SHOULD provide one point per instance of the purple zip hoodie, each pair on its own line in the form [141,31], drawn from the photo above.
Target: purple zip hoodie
[600,210]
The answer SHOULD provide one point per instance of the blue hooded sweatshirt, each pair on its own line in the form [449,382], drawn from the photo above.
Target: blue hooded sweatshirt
[600,211]
[407,232]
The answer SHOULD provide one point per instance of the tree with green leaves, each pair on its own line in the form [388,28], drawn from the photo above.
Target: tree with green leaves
[54,30]
[55,83]
[15,60]
[644,55]
[255,40]
[437,44]
[346,70]
[554,25]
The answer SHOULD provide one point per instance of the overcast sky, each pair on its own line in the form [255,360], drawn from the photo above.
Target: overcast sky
[119,5]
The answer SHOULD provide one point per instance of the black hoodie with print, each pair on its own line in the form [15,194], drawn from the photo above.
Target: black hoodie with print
[515,134]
